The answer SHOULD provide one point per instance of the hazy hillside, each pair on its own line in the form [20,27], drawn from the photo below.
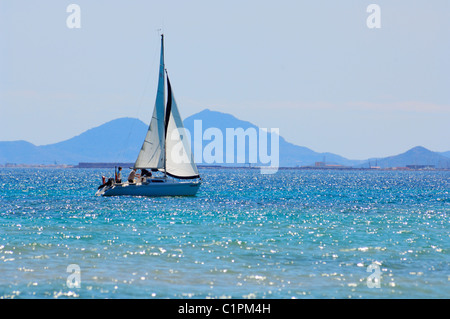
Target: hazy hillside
[416,156]
[120,141]
[114,141]
[446,154]
[21,152]
[290,154]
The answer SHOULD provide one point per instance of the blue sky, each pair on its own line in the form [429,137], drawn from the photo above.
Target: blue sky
[313,69]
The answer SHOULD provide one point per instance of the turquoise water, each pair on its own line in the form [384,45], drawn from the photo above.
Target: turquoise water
[295,234]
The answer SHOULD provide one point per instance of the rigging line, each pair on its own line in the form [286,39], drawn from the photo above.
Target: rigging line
[130,131]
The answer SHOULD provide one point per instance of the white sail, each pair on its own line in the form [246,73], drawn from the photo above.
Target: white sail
[166,148]
[179,158]
[151,154]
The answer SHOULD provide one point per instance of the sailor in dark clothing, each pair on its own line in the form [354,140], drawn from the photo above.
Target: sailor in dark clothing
[108,183]
[145,173]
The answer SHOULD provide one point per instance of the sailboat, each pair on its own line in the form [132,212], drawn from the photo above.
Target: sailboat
[166,149]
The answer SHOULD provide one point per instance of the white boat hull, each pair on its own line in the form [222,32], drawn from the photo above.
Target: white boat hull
[160,188]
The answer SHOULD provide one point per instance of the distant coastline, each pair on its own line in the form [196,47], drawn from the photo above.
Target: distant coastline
[110,142]
[105,165]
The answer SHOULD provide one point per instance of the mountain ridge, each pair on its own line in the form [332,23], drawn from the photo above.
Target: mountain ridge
[120,140]
[290,154]
[416,156]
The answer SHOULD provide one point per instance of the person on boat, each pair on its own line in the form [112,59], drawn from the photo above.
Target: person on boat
[132,176]
[108,183]
[145,174]
[119,175]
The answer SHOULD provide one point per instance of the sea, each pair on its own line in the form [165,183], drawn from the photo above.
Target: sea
[312,234]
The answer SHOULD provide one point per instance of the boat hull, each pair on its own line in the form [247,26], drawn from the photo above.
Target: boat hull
[152,189]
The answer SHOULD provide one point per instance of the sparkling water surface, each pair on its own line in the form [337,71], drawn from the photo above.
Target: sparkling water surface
[294,234]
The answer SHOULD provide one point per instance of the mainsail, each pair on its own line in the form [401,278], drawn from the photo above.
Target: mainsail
[151,154]
[166,146]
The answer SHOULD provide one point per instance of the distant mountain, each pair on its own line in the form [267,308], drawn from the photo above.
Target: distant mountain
[120,141]
[416,156]
[290,154]
[115,141]
[446,154]
[21,152]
